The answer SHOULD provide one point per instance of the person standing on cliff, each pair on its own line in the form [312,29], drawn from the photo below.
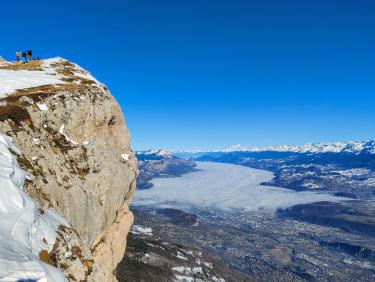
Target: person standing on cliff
[18,56]
[23,57]
[29,55]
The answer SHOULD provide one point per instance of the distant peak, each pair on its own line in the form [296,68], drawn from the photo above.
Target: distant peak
[353,147]
[236,148]
[334,147]
[160,152]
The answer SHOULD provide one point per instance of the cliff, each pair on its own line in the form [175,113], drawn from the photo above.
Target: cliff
[74,148]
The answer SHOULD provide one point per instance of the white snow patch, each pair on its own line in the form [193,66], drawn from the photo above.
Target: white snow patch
[182,269]
[160,152]
[208,264]
[11,80]
[353,172]
[80,72]
[22,227]
[311,185]
[188,270]
[61,131]
[197,270]
[215,279]
[181,278]
[139,229]
[36,141]
[125,157]
[42,107]
[181,256]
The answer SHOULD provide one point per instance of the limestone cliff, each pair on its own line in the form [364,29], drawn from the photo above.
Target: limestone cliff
[74,142]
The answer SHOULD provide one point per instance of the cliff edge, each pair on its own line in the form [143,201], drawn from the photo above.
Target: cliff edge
[69,139]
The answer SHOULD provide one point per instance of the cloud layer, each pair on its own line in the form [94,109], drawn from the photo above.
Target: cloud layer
[225,187]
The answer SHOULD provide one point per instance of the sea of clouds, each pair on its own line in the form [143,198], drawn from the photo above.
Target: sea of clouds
[225,187]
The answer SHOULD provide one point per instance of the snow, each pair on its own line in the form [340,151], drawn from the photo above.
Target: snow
[308,258]
[181,256]
[61,131]
[334,147]
[11,80]
[182,269]
[188,270]
[36,141]
[353,172]
[42,107]
[160,152]
[181,278]
[208,264]
[236,148]
[224,187]
[22,227]
[78,72]
[311,185]
[139,229]
[194,273]
[215,279]
[125,157]
[197,270]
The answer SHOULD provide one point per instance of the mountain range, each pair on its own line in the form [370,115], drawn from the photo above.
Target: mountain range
[351,147]
[213,207]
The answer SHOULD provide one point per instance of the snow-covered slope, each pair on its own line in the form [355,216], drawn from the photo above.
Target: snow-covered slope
[11,80]
[39,73]
[24,231]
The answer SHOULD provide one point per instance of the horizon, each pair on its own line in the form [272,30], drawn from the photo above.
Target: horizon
[204,74]
[245,147]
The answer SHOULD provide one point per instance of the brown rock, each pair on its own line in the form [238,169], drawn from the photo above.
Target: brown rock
[73,151]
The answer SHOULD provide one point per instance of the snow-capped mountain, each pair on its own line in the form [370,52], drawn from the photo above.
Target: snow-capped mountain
[336,147]
[352,147]
[160,152]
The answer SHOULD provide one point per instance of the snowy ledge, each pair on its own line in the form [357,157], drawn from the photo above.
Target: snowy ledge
[55,71]
[24,231]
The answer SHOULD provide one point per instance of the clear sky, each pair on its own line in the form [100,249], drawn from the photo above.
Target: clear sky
[211,73]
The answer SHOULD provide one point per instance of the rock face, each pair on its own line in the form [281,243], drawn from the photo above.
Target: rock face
[75,144]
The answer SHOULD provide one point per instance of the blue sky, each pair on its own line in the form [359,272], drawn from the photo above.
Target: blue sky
[211,73]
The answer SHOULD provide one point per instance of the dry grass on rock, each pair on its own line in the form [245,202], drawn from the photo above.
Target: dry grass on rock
[31,66]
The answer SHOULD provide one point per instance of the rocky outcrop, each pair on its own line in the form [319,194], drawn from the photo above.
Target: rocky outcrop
[76,146]
[161,164]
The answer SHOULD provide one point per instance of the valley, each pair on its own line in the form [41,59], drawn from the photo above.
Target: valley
[238,216]
[263,247]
